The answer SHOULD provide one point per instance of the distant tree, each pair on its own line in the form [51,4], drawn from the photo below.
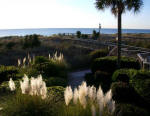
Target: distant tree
[35,41]
[31,41]
[95,34]
[118,7]
[78,34]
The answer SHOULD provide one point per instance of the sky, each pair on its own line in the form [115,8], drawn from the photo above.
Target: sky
[16,14]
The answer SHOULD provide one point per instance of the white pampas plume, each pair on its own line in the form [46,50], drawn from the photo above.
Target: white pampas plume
[38,87]
[25,88]
[49,56]
[100,100]
[68,94]
[92,93]
[109,102]
[43,91]
[93,110]
[24,60]
[107,97]
[83,91]
[19,62]
[12,85]
[75,96]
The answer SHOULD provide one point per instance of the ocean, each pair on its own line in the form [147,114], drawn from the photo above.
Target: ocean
[51,31]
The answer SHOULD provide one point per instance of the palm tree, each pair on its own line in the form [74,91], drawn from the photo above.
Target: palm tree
[118,7]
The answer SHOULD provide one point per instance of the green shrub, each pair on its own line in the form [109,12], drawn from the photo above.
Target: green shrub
[99,78]
[109,64]
[98,54]
[10,45]
[129,110]
[7,72]
[123,75]
[4,87]
[40,59]
[139,79]
[141,83]
[52,69]
[56,81]
[123,92]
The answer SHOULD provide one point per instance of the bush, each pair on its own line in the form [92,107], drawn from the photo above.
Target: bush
[139,79]
[99,78]
[7,72]
[98,54]
[40,59]
[51,69]
[124,93]
[123,75]
[129,110]
[27,105]
[109,64]
[10,45]
[141,83]
[4,87]
[56,81]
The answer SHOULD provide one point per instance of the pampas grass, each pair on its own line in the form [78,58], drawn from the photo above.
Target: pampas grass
[87,100]
[68,95]
[36,86]
[12,85]
[33,86]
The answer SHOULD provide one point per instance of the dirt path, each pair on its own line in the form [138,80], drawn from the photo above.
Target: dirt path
[76,78]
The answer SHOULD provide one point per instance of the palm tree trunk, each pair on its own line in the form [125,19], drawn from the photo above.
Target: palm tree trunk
[119,39]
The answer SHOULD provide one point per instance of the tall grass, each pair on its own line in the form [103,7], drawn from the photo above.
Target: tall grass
[86,101]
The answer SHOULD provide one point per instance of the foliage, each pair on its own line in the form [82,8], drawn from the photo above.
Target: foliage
[4,87]
[31,41]
[139,79]
[53,67]
[50,69]
[26,105]
[130,110]
[78,34]
[123,75]
[109,64]
[7,72]
[9,45]
[98,54]
[124,93]
[87,101]
[40,59]
[141,83]
[56,81]
[99,78]
[95,34]
[84,36]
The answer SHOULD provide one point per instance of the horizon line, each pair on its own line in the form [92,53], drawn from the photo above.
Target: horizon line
[73,28]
